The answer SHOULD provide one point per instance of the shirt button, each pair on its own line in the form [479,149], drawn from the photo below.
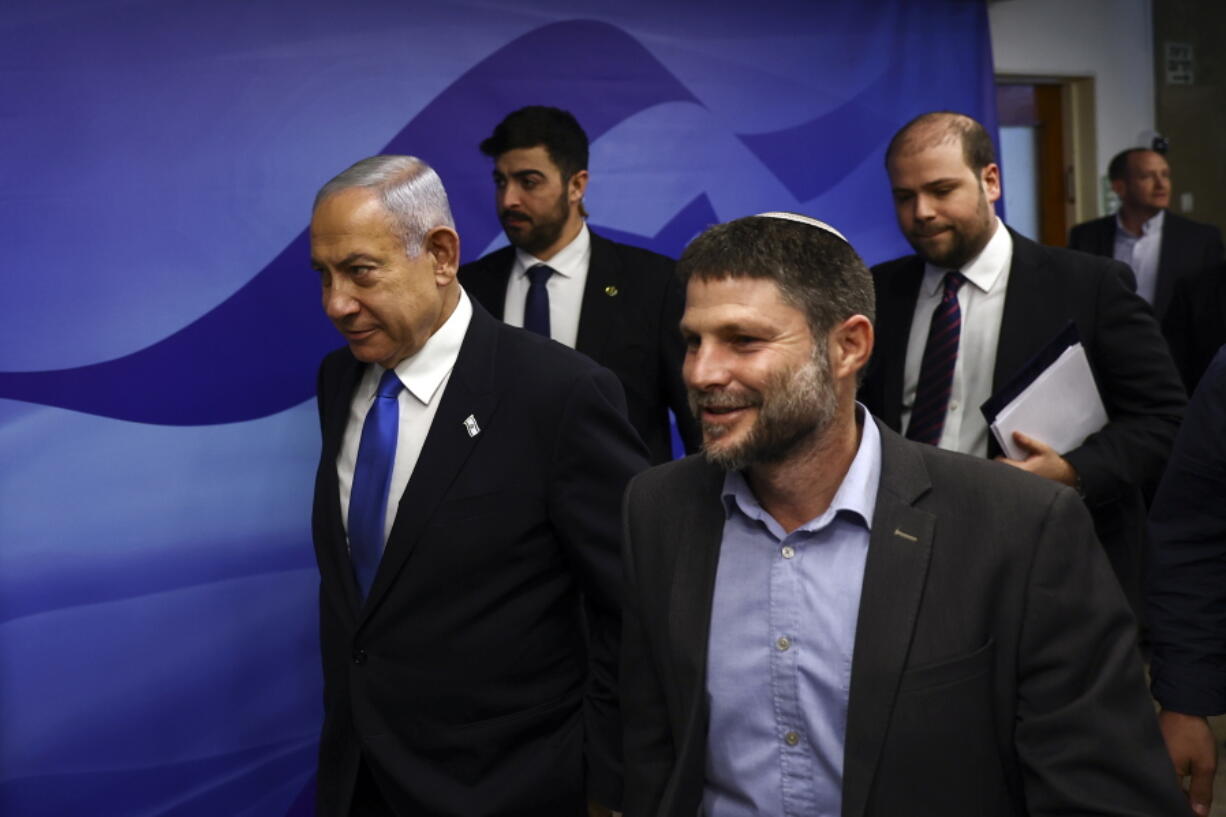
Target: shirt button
[953,405]
[788,552]
[783,643]
[791,738]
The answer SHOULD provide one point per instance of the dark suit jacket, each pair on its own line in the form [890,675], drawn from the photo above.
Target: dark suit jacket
[1187,580]
[994,669]
[633,332]
[1119,465]
[1187,248]
[1195,322]
[464,678]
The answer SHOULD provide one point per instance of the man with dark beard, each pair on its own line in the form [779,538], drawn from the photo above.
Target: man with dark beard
[960,319]
[823,618]
[617,304]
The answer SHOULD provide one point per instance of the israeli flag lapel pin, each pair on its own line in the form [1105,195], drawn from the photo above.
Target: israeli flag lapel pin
[470,425]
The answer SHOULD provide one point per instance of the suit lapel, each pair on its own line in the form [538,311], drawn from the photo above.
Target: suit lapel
[698,525]
[469,391]
[1173,240]
[487,279]
[894,577]
[896,311]
[345,588]
[601,294]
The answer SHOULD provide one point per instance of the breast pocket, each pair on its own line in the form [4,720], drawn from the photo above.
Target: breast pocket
[955,670]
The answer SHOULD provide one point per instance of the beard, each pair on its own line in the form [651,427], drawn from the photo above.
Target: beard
[966,239]
[794,406]
[535,235]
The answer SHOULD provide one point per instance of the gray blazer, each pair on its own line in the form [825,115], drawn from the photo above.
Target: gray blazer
[995,669]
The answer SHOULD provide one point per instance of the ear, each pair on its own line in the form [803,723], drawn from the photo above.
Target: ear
[442,244]
[576,187]
[1118,186]
[850,345]
[990,178]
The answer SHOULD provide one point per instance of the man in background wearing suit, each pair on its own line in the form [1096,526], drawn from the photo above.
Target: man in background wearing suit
[466,504]
[823,618]
[617,304]
[1160,246]
[961,318]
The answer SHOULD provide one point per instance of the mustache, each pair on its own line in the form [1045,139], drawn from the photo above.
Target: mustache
[929,232]
[508,216]
[723,400]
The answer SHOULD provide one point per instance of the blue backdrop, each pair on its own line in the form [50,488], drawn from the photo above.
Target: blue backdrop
[162,326]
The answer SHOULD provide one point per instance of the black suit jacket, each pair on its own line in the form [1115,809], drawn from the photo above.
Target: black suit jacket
[1119,465]
[1187,582]
[1195,322]
[633,331]
[1187,248]
[994,669]
[464,678]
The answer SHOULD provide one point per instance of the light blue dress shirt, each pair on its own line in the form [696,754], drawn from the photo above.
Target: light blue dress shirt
[783,625]
[1141,252]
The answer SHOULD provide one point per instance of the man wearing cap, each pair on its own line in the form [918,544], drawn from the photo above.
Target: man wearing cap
[823,618]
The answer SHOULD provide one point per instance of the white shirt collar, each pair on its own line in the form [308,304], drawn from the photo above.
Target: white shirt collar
[423,372]
[983,270]
[1150,225]
[565,262]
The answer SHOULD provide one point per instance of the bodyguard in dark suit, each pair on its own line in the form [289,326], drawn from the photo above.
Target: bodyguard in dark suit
[1017,297]
[1187,586]
[1161,247]
[617,304]
[824,618]
[466,504]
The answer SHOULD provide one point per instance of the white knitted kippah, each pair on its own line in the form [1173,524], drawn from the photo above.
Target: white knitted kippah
[799,219]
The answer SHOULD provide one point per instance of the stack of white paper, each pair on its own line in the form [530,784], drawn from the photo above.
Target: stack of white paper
[1061,407]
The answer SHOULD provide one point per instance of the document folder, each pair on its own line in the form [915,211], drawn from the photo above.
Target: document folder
[1053,399]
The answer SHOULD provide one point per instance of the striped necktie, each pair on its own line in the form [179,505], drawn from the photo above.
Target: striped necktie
[937,367]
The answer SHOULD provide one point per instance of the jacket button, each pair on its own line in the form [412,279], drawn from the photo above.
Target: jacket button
[359,656]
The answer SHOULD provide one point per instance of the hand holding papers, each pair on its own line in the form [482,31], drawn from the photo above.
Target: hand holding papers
[1053,399]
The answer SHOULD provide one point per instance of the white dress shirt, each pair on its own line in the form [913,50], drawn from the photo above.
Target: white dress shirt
[424,375]
[1141,252]
[982,303]
[565,288]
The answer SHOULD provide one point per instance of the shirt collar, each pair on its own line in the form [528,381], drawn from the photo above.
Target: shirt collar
[983,270]
[1150,225]
[566,262]
[423,372]
[857,493]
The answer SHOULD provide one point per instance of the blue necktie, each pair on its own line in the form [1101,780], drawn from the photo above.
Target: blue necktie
[371,478]
[936,375]
[536,305]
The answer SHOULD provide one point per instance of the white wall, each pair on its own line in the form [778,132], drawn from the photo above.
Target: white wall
[1109,40]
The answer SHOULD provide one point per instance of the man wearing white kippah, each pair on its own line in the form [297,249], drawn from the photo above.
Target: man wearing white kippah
[823,618]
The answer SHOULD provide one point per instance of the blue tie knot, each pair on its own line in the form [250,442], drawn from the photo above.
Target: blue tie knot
[389,384]
[954,281]
[538,274]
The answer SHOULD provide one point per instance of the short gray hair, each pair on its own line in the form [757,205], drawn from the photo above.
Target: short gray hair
[816,270]
[410,191]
